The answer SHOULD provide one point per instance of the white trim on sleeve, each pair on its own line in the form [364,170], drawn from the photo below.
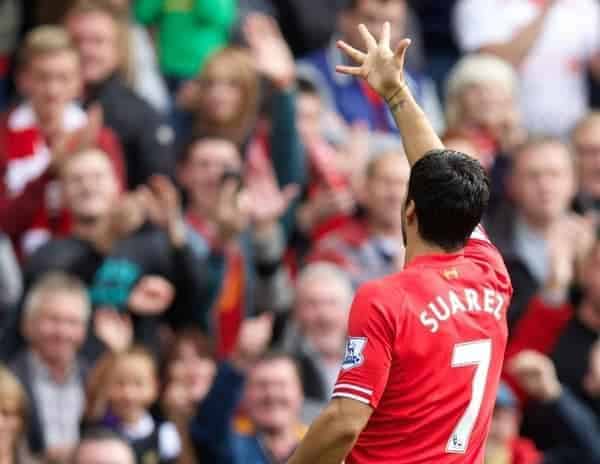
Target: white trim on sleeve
[351,396]
[353,387]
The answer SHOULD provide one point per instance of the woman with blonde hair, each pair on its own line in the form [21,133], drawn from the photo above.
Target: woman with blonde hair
[225,102]
[13,420]
[481,106]
[226,99]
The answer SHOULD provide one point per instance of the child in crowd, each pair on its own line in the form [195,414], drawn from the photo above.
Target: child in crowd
[124,387]
[192,360]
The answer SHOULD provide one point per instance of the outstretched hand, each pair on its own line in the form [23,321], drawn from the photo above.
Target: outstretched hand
[382,68]
[270,52]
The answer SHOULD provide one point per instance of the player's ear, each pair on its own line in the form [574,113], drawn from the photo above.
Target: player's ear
[410,211]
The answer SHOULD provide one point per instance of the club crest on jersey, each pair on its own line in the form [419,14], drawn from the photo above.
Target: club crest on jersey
[354,352]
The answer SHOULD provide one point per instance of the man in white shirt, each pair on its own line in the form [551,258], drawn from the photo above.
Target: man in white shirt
[550,43]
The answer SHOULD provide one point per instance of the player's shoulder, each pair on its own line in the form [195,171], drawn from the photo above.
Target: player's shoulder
[385,295]
[383,287]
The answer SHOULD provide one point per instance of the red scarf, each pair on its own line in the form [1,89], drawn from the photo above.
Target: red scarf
[27,158]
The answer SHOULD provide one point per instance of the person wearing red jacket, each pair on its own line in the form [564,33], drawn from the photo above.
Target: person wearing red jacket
[39,133]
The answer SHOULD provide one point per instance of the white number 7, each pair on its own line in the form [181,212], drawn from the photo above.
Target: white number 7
[467,354]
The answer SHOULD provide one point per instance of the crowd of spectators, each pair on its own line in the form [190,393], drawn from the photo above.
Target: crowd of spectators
[190,196]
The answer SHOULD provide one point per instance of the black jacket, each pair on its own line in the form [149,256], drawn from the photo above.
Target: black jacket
[500,227]
[148,142]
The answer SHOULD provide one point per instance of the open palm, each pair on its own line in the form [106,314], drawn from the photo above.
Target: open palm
[382,68]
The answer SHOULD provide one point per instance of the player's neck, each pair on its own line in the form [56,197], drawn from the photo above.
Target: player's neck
[417,248]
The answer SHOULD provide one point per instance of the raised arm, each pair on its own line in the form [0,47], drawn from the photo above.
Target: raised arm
[383,70]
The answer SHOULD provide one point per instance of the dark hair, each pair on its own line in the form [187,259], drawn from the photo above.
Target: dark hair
[200,341]
[100,434]
[450,191]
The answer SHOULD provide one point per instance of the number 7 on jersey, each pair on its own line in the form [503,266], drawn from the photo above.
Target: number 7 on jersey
[478,354]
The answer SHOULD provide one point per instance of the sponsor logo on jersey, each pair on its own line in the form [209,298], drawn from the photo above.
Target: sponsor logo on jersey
[354,352]
[451,273]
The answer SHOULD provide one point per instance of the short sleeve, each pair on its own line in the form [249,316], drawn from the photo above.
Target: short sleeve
[368,356]
[478,23]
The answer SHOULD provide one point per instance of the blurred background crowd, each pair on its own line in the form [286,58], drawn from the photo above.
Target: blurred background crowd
[190,195]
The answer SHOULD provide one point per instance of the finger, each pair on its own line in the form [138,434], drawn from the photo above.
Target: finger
[271,25]
[386,34]
[289,193]
[166,189]
[250,29]
[352,52]
[349,70]
[266,317]
[370,41]
[400,53]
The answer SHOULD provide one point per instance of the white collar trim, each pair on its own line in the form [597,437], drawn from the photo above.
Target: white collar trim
[24,117]
[143,428]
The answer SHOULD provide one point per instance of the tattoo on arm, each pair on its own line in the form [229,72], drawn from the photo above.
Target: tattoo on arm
[397,99]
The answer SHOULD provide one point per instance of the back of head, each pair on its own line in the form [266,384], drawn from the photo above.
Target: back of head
[450,191]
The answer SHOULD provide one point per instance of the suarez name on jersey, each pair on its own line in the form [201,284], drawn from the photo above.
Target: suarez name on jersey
[425,350]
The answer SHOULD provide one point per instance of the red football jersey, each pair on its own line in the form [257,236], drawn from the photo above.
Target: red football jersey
[425,350]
